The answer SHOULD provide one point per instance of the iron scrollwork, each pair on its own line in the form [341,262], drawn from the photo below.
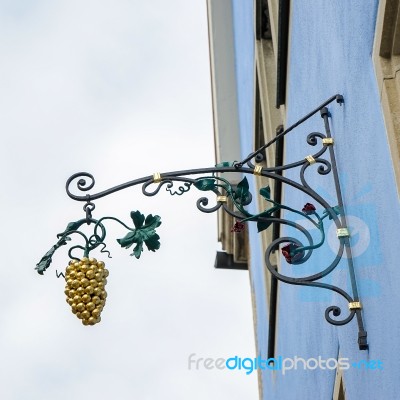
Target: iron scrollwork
[213,180]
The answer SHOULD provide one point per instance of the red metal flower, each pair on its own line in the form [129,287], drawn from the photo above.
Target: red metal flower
[290,255]
[308,209]
[238,227]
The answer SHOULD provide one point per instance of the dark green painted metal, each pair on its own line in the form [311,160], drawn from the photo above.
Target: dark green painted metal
[144,232]
[213,180]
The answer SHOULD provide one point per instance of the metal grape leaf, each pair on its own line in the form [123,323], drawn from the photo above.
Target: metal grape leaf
[145,232]
[72,226]
[242,193]
[266,192]
[137,218]
[153,243]
[263,224]
[225,164]
[335,209]
[46,260]
[205,184]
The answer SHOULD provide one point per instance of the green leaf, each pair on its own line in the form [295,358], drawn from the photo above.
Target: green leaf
[137,251]
[152,222]
[142,234]
[266,192]
[242,193]
[263,224]
[46,260]
[153,243]
[243,186]
[335,209]
[137,218]
[225,164]
[72,226]
[205,184]
[128,240]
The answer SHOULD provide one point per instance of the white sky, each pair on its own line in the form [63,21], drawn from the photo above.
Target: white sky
[120,89]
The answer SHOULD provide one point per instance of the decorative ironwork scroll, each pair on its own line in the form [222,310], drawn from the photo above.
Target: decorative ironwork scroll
[214,181]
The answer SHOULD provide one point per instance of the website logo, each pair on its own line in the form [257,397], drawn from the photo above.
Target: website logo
[248,365]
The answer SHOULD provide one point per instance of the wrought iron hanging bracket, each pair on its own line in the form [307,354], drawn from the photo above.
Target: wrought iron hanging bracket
[214,181]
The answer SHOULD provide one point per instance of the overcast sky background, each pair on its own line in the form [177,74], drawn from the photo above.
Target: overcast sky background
[120,89]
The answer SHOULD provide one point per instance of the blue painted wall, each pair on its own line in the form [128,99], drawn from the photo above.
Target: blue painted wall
[330,52]
[243,17]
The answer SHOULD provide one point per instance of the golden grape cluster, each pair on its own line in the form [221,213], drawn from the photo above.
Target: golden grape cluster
[85,289]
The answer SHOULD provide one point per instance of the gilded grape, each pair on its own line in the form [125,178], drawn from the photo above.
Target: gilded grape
[85,289]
